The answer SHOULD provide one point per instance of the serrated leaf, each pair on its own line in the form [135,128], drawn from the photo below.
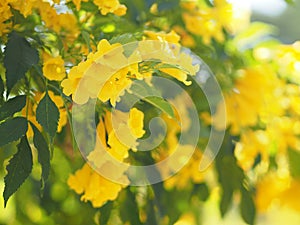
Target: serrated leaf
[18,169]
[43,153]
[47,114]
[19,56]
[294,165]
[12,106]
[12,130]
[1,89]
[105,212]
[247,207]
[161,104]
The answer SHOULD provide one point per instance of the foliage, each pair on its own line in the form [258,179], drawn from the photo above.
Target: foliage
[49,47]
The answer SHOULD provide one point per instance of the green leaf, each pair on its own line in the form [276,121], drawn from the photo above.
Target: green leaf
[247,207]
[105,212]
[226,200]
[129,211]
[142,91]
[18,169]
[12,106]
[19,56]
[86,38]
[291,2]
[294,165]
[123,39]
[12,130]
[43,153]
[202,191]
[231,178]
[47,114]
[1,90]
[161,104]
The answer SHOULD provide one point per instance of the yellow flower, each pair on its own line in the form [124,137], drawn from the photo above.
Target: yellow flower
[186,219]
[251,144]
[285,133]
[29,111]
[115,86]
[77,3]
[290,197]
[178,74]
[154,9]
[78,182]
[249,98]
[288,60]
[68,22]
[121,10]
[5,14]
[117,149]
[48,15]
[208,22]
[110,6]
[181,62]
[185,39]
[94,187]
[89,182]
[274,188]
[269,189]
[172,36]
[57,22]
[59,102]
[53,69]
[25,7]
[189,173]
[97,76]
[136,122]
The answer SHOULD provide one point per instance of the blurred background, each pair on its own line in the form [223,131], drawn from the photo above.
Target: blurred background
[61,206]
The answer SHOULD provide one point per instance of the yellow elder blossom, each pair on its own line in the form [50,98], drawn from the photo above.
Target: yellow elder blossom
[5,14]
[110,6]
[53,68]
[170,55]
[251,144]
[273,189]
[55,21]
[188,174]
[177,157]
[247,100]
[136,122]
[288,59]
[87,181]
[207,22]
[94,187]
[186,219]
[285,132]
[25,7]
[100,76]
[172,36]
[185,39]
